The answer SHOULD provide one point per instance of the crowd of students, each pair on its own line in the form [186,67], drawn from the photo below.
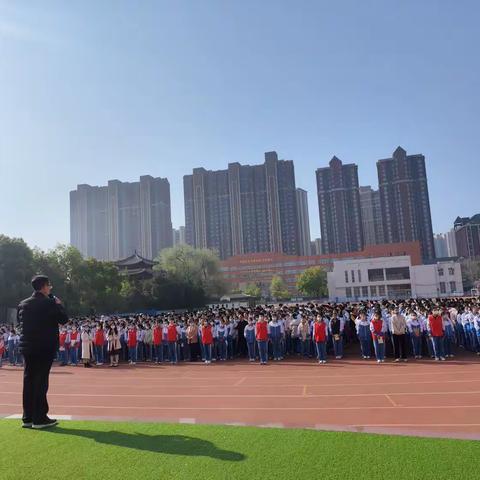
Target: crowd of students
[397,329]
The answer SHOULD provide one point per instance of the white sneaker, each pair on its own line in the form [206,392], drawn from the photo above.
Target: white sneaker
[442,359]
[379,361]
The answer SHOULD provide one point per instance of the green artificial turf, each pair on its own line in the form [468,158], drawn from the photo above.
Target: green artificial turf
[104,450]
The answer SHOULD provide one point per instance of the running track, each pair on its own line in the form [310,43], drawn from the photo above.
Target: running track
[419,398]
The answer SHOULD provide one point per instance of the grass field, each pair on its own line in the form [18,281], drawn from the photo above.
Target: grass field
[104,451]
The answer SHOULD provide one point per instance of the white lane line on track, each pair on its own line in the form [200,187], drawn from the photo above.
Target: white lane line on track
[17,416]
[123,407]
[279,395]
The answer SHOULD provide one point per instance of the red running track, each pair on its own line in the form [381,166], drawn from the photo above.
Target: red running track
[417,398]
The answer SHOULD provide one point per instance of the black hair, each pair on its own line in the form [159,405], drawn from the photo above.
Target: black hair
[39,281]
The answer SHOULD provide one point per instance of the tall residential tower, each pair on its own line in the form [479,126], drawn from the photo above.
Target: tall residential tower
[114,221]
[339,206]
[243,209]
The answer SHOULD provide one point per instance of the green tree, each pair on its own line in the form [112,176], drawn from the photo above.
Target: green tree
[195,268]
[64,266]
[313,282]
[278,289]
[16,270]
[99,287]
[253,290]
[470,273]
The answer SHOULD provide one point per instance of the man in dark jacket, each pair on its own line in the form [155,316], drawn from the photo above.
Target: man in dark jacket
[40,315]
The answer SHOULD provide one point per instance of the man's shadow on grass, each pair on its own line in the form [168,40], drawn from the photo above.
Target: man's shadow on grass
[168,444]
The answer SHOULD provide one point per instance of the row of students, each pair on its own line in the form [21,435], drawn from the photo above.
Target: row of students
[289,330]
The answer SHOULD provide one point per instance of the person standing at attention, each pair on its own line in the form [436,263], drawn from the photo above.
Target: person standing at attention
[399,329]
[40,316]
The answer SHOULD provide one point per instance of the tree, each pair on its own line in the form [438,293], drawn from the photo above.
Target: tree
[470,273]
[278,289]
[63,265]
[99,287]
[253,290]
[313,282]
[16,270]
[196,268]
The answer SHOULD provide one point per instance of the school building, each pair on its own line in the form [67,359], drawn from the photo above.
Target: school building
[259,268]
[393,277]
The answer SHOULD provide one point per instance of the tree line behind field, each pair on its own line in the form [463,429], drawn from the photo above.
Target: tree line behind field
[184,277]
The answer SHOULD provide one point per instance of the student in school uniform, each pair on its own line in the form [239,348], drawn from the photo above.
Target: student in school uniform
[378,327]
[206,332]
[182,347]
[398,326]
[61,346]
[423,318]
[221,332]
[2,348]
[132,344]
[114,346]
[172,337]
[362,326]
[275,336]
[320,334]
[336,331]
[67,344]
[166,356]
[476,325]
[157,343]
[261,335]
[99,340]
[304,337]
[148,342]
[249,334]
[435,328]
[13,342]
[414,326]
[449,337]
[74,344]
[193,341]
[231,337]
[86,347]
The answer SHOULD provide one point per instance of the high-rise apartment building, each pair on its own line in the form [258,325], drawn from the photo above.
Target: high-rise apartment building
[339,206]
[467,236]
[440,244]
[404,200]
[451,243]
[243,209]
[114,221]
[178,236]
[303,223]
[371,216]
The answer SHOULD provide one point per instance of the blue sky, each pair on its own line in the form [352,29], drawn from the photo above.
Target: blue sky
[95,90]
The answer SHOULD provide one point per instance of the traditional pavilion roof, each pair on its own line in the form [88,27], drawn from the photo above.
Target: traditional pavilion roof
[135,261]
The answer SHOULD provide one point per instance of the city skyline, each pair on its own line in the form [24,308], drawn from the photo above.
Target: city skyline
[87,96]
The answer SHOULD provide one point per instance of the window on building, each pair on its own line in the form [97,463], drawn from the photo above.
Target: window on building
[353,276]
[348,292]
[399,291]
[364,291]
[376,275]
[373,291]
[356,292]
[397,273]
[440,272]
[381,290]
[443,288]
[453,287]
[359,276]
[451,270]
[346,276]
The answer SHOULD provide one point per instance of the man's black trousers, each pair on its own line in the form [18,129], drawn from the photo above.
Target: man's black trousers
[35,388]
